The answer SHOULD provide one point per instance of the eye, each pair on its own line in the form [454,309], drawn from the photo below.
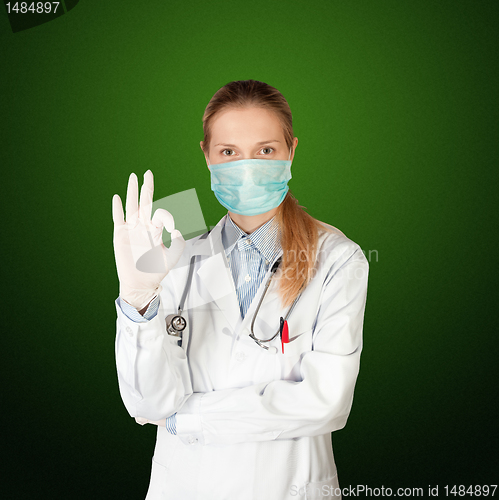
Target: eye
[223,152]
[268,149]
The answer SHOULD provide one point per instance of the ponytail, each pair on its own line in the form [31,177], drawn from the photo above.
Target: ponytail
[299,240]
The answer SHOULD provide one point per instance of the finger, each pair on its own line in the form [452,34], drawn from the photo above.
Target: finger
[132,200]
[158,422]
[118,217]
[146,193]
[163,218]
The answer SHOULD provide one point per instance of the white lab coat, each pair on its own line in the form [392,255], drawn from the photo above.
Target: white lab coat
[251,424]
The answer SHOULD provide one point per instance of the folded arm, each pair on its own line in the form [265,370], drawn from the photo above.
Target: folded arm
[283,409]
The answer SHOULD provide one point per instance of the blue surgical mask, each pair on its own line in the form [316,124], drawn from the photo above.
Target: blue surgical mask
[251,187]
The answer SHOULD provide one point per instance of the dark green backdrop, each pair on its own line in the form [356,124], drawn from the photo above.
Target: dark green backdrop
[396,110]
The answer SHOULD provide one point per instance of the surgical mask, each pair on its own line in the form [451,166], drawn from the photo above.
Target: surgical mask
[251,187]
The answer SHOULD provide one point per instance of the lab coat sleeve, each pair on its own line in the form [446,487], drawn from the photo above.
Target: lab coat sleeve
[132,313]
[153,373]
[320,403]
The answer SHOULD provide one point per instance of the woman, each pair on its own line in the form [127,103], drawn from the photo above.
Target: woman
[245,404]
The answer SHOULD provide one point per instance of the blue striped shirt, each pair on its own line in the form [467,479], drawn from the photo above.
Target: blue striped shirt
[250,257]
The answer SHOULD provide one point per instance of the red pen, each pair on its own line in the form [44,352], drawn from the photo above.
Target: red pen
[284,333]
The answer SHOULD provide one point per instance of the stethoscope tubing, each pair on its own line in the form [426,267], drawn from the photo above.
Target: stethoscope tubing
[255,314]
[275,266]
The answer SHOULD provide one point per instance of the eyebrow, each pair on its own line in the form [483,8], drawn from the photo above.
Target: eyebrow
[258,143]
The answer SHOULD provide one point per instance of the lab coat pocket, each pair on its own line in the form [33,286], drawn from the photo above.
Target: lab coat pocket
[293,350]
[157,482]
[321,490]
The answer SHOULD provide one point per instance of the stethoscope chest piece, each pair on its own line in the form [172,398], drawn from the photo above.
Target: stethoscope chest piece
[175,325]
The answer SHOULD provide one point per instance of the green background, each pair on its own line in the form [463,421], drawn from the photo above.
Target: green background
[395,105]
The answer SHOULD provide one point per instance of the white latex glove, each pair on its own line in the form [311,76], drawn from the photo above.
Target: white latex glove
[142,260]
[143,421]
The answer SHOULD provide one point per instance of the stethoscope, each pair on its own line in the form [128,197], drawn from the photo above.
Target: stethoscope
[176,323]
[255,314]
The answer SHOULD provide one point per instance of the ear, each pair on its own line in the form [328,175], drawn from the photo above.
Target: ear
[295,143]
[201,146]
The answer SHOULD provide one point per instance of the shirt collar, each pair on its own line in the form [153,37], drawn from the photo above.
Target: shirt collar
[266,238]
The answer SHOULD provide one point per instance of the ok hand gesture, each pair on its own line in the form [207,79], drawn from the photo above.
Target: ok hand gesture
[142,260]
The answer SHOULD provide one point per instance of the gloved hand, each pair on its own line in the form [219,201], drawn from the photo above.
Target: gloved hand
[143,421]
[142,260]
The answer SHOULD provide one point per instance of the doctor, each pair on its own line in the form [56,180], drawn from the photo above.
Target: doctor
[266,368]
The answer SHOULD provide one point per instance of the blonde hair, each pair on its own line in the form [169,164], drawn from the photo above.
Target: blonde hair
[299,231]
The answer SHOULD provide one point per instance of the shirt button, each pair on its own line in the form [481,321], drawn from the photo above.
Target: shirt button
[247,278]
[249,242]
[266,262]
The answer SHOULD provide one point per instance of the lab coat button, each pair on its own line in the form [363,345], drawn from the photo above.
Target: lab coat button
[240,356]
[192,440]
[129,331]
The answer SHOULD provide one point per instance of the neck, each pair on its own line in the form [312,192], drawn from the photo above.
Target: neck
[250,223]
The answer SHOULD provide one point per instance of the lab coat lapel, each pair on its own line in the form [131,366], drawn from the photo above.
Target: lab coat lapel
[215,275]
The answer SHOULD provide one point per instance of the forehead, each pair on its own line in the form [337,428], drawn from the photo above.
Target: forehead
[246,126]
